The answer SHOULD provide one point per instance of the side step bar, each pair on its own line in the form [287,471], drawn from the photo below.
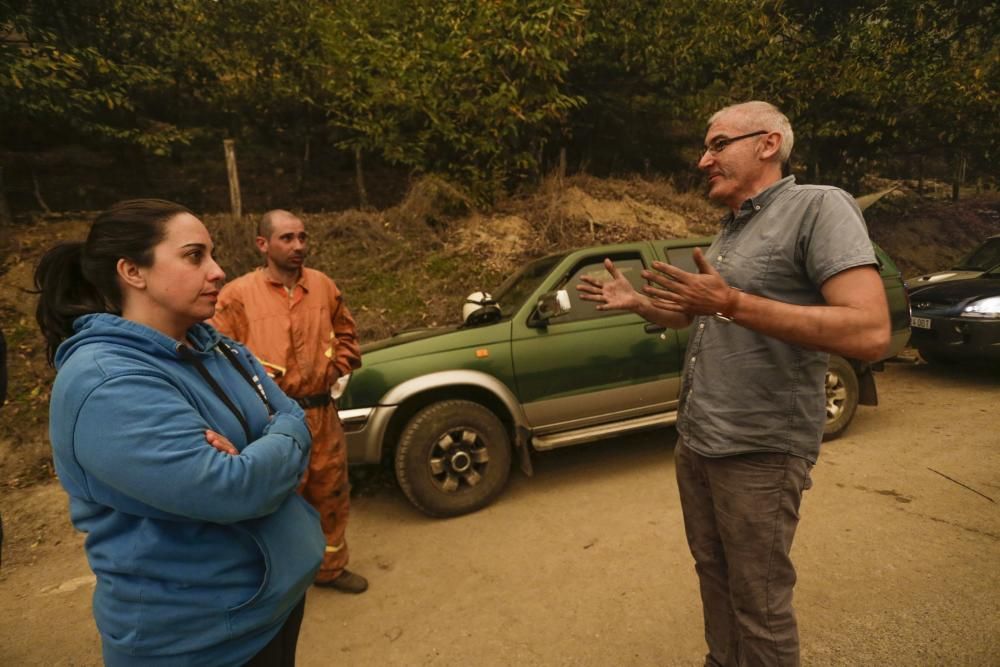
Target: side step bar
[590,433]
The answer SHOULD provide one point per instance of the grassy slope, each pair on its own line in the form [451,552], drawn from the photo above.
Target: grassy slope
[411,265]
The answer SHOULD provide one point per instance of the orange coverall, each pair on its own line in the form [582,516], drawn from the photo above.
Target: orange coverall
[306,339]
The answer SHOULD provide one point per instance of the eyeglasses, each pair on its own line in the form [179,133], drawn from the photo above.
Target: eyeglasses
[718,145]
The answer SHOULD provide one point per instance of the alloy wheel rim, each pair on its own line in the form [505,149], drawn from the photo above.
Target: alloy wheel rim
[836,395]
[458,459]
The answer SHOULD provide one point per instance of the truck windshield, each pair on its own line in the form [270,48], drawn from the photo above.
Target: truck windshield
[513,292]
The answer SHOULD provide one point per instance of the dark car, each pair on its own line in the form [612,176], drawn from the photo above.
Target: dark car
[958,320]
[985,257]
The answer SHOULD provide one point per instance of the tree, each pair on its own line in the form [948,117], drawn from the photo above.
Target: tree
[469,90]
[72,71]
[869,80]
[650,71]
[483,92]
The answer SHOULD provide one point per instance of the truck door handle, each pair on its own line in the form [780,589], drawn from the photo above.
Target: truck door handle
[654,328]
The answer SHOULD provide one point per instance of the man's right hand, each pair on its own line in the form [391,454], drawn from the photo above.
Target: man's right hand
[614,294]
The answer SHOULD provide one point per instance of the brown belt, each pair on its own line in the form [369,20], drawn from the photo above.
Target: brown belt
[314,401]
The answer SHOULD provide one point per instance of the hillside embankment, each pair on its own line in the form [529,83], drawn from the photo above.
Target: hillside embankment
[411,265]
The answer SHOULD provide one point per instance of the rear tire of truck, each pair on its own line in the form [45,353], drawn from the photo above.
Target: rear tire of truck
[841,397]
[453,458]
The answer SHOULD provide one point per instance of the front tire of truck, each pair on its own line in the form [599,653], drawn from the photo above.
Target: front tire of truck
[453,458]
[841,397]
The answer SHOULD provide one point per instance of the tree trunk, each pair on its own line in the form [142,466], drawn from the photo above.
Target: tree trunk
[359,175]
[235,200]
[38,193]
[6,217]
[959,177]
[562,165]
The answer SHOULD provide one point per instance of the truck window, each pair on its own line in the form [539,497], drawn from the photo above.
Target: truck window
[631,268]
[682,258]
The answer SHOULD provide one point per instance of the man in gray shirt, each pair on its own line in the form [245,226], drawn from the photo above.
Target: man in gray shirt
[791,278]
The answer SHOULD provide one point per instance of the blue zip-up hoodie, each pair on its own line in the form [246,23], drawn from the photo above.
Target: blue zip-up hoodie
[199,555]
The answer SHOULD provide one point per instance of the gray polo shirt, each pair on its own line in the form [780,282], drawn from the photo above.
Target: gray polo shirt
[746,392]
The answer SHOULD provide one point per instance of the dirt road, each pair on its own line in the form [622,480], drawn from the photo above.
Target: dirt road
[585,564]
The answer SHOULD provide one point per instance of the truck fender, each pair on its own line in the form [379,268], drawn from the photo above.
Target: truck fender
[418,385]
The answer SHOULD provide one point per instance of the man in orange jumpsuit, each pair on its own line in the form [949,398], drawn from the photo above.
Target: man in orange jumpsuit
[294,320]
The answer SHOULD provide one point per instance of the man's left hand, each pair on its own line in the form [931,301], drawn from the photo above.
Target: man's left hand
[702,293]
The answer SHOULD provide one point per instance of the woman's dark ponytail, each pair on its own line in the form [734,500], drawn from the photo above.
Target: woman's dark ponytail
[74,279]
[64,294]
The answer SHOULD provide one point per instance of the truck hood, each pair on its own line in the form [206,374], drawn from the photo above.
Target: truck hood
[428,341]
[407,336]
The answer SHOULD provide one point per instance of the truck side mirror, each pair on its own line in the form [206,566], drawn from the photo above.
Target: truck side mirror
[550,305]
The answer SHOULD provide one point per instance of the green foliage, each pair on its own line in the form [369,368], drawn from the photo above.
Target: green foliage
[256,63]
[155,74]
[867,81]
[471,90]
[486,93]
[69,70]
[651,70]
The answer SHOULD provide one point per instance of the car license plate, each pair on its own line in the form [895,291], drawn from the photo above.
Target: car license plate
[920,322]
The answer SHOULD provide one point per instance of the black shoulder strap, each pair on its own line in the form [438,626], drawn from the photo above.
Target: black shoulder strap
[253,380]
[186,354]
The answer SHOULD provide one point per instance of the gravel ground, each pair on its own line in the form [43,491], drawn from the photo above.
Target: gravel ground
[585,564]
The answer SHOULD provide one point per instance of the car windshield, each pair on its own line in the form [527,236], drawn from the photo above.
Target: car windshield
[983,258]
[512,294]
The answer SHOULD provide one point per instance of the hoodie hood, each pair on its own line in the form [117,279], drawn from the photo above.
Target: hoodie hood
[116,330]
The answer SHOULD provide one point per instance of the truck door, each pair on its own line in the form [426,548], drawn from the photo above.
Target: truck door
[589,366]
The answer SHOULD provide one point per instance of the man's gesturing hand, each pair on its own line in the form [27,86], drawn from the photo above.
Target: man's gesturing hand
[702,293]
[614,294]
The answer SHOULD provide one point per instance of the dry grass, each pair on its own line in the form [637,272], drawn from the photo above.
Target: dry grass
[411,265]
[924,234]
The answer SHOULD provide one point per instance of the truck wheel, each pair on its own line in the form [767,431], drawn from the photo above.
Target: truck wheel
[453,458]
[841,397]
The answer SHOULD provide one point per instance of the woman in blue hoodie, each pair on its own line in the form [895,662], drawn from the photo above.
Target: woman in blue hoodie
[180,456]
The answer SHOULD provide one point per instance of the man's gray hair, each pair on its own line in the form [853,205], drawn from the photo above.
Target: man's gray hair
[765,116]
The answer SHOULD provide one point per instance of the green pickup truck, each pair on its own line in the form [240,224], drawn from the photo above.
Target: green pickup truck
[537,368]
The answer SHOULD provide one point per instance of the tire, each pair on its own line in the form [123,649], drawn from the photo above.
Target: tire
[841,397]
[453,458]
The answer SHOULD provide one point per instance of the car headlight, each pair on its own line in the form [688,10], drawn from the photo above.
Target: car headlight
[337,390]
[988,308]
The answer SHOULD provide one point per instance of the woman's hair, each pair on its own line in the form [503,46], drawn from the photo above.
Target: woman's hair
[74,279]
